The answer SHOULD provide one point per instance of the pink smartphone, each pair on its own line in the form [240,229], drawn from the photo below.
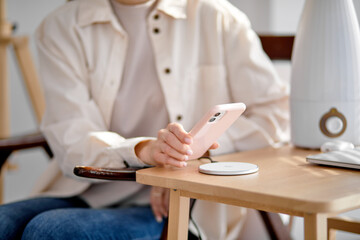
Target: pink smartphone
[212,125]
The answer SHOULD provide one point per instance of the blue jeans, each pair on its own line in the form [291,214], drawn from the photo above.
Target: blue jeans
[71,218]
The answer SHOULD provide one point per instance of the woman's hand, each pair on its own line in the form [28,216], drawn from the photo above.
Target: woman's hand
[159,199]
[170,148]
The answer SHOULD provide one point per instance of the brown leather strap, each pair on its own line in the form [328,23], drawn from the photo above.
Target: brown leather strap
[11,144]
[122,174]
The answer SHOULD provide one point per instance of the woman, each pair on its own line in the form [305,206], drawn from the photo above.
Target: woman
[114,73]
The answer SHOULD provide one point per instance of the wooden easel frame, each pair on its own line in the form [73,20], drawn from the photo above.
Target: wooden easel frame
[23,55]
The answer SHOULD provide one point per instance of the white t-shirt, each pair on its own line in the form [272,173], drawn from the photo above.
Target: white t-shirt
[139,108]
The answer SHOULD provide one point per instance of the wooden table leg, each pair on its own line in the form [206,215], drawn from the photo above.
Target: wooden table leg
[315,226]
[178,216]
[331,234]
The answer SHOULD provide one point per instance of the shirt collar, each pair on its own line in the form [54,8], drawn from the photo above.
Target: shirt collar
[100,11]
[95,11]
[173,8]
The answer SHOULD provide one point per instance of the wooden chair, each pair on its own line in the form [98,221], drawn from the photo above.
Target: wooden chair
[345,224]
[20,46]
[277,48]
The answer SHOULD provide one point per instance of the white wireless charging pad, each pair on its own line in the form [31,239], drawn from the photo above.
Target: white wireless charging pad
[228,168]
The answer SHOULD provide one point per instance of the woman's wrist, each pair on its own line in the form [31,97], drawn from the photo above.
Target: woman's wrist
[142,151]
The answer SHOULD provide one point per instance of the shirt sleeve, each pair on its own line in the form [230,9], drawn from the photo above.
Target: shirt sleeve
[73,123]
[254,81]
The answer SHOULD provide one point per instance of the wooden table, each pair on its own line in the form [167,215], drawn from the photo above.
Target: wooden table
[285,183]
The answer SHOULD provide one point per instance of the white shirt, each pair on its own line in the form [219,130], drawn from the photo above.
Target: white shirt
[139,97]
[205,54]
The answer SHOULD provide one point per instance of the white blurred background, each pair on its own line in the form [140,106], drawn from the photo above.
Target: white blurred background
[267,16]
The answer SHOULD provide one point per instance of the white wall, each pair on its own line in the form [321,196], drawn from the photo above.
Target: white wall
[272,16]
[276,16]
[254,9]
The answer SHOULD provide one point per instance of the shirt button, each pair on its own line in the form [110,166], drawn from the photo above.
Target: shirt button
[167,70]
[179,117]
[156,16]
[156,30]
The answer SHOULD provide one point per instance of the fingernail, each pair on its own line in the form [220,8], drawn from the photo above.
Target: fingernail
[188,140]
[186,157]
[189,152]
[184,164]
[158,219]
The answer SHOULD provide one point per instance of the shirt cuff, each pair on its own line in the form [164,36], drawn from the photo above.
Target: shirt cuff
[127,152]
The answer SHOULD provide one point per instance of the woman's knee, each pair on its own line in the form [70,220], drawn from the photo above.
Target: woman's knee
[136,223]
[52,224]
[12,222]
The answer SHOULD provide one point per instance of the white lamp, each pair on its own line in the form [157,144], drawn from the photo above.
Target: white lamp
[325,81]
